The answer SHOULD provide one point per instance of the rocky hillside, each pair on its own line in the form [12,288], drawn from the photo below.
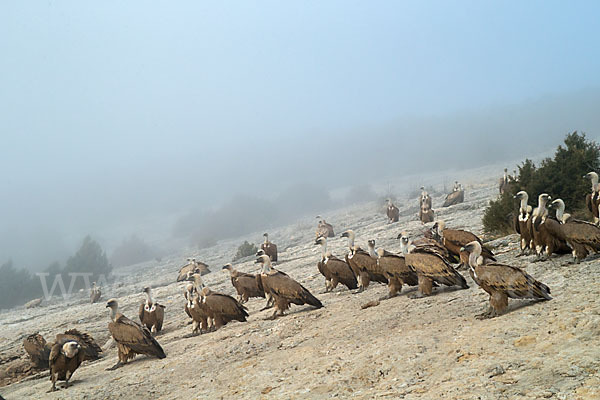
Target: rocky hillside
[403,348]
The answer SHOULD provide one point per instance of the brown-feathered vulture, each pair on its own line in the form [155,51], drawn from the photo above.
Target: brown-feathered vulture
[581,236]
[406,244]
[426,214]
[396,271]
[456,197]
[151,313]
[220,308]
[269,248]
[502,281]
[431,266]
[131,337]
[425,199]
[69,350]
[546,231]
[592,200]
[454,239]
[538,215]
[522,224]
[193,266]
[393,212]
[246,285]
[324,229]
[189,294]
[194,309]
[333,269]
[95,293]
[363,264]
[285,290]
[38,350]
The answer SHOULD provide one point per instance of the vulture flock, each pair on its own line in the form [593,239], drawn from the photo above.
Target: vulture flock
[426,262]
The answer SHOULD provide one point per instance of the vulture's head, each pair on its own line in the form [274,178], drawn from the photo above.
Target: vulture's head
[521,195]
[472,247]
[371,243]
[544,198]
[557,204]
[146,290]
[228,266]
[70,349]
[403,236]
[591,175]
[112,304]
[321,240]
[260,252]
[262,259]
[348,234]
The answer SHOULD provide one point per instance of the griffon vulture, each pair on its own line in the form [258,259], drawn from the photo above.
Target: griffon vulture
[521,223]
[246,285]
[193,266]
[502,281]
[431,267]
[424,199]
[546,231]
[456,197]
[151,313]
[426,214]
[592,200]
[393,212]
[363,264]
[131,337]
[220,308]
[269,248]
[583,237]
[454,239]
[424,243]
[333,269]
[324,229]
[285,290]
[95,293]
[189,294]
[38,350]
[69,350]
[396,271]
[194,309]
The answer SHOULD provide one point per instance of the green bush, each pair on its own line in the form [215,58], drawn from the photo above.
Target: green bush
[560,177]
[246,249]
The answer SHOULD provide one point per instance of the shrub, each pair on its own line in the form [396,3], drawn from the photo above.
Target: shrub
[560,177]
[246,249]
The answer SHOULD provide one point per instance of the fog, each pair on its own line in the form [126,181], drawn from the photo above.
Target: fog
[122,119]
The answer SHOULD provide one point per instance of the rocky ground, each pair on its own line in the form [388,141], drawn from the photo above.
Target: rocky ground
[403,348]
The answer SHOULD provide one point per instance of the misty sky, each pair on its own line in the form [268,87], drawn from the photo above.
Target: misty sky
[114,112]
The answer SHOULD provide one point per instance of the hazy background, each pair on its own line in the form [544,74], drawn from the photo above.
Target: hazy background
[153,118]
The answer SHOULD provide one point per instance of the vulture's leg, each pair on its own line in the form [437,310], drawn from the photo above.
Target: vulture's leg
[117,365]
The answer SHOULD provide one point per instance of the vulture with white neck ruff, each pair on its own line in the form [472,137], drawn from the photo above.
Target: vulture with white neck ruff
[502,281]
[131,337]
[522,225]
[583,237]
[151,313]
[283,289]
[269,248]
[592,200]
[333,269]
[363,264]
